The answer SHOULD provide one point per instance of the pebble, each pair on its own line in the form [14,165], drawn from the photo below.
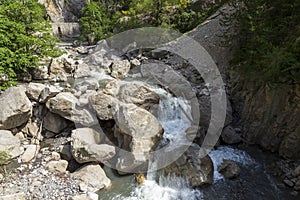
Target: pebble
[288,183]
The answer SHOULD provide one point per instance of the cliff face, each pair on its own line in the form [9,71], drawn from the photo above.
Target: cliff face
[269,114]
[64,15]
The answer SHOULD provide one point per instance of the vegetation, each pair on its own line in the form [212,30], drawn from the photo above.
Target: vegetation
[4,157]
[24,38]
[269,39]
[100,19]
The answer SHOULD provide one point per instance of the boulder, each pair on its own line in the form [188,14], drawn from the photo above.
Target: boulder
[82,70]
[64,104]
[93,176]
[112,87]
[30,152]
[230,136]
[57,71]
[49,92]
[32,129]
[54,123]
[120,69]
[40,73]
[138,93]
[86,147]
[229,169]
[34,90]
[192,167]
[15,107]
[59,166]
[137,131]
[103,105]
[9,146]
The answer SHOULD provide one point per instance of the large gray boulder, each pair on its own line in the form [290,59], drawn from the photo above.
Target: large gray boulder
[93,176]
[54,123]
[64,104]
[137,131]
[15,107]
[86,146]
[9,146]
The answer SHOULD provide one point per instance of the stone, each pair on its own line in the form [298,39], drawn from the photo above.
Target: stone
[288,183]
[103,105]
[296,171]
[93,176]
[20,135]
[16,196]
[86,147]
[82,70]
[65,152]
[120,69]
[49,92]
[137,131]
[34,90]
[54,123]
[230,136]
[57,166]
[140,178]
[135,63]
[88,84]
[30,153]
[112,87]
[297,185]
[64,104]
[57,71]
[229,169]
[55,156]
[40,73]
[192,166]
[33,130]
[9,146]
[138,93]
[15,107]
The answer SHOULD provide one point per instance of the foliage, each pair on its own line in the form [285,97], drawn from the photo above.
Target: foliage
[24,38]
[4,157]
[269,39]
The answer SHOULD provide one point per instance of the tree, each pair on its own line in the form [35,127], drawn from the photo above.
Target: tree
[25,38]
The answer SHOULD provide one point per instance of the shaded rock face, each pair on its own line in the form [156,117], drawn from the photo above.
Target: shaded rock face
[16,108]
[229,169]
[269,115]
[191,166]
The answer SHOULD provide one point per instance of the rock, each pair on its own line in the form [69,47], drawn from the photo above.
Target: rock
[16,196]
[40,73]
[82,70]
[297,185]
[112,87]
[93,176]
[57,166]
[20,135]
[30,152]
[120,69]
[135,63]
[88,84]
[230,136]
[55,156]
[15,107]
[49,92]
[288,183]
[138,93]
[296,172]
[9,146]
[229,169]
[86,147]
[191,166]
[140,178]
[33,130]
[137,131]
[57,71]
[64,104]
[34,90]
[89,196]
[84,98]
[54,123]
[104,105]
[65,152]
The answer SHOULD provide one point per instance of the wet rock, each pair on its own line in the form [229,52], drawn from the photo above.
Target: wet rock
[15,107]
[82,70]
[229,169]
[86,147]
[191,166]
[54,123]
[93,176]
[34,90]
[57,166]
[104,105]
[230,136]
[9,146]
[30,153]
[120,69]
